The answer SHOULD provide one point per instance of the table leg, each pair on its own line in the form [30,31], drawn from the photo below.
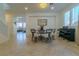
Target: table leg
[49,36]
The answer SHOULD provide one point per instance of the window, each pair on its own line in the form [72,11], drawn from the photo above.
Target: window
[19,25]
[67,18]
[71,17]
[24,25]
[75,14]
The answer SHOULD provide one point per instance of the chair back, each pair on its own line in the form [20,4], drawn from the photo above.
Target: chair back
[33,30]
[49,30]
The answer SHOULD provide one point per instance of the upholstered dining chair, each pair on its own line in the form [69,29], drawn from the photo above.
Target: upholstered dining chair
[33,31]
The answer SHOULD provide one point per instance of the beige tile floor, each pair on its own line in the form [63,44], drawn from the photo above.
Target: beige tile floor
[57,47]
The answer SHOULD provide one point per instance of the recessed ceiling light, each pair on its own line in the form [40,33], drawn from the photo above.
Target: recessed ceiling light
[26,8]
[52,8]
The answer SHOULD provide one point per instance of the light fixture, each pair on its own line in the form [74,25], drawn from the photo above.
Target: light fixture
[43,5]
[52,8]
[26,8]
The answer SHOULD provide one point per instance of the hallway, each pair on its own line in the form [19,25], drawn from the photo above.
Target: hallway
[29,48]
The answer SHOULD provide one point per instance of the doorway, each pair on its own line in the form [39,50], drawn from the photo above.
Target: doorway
[20,29]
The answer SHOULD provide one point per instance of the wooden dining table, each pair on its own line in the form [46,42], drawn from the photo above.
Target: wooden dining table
[40,33]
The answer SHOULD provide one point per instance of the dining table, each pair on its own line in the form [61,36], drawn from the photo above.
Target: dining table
[40,34]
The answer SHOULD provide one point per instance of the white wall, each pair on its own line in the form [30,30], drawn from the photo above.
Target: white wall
[77,34]
[76,26]
[9,21]
[31,20]
[3,26]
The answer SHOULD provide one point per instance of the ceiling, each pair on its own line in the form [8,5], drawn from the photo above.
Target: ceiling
[34,7]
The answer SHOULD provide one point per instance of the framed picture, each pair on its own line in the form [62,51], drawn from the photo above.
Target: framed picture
[42,22]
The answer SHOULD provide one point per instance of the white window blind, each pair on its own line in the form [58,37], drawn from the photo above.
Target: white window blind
[67,18]
[74,15]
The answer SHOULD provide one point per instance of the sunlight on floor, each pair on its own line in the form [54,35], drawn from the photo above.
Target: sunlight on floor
[21,38]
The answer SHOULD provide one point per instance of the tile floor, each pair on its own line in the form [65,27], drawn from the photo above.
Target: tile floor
[25,47]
